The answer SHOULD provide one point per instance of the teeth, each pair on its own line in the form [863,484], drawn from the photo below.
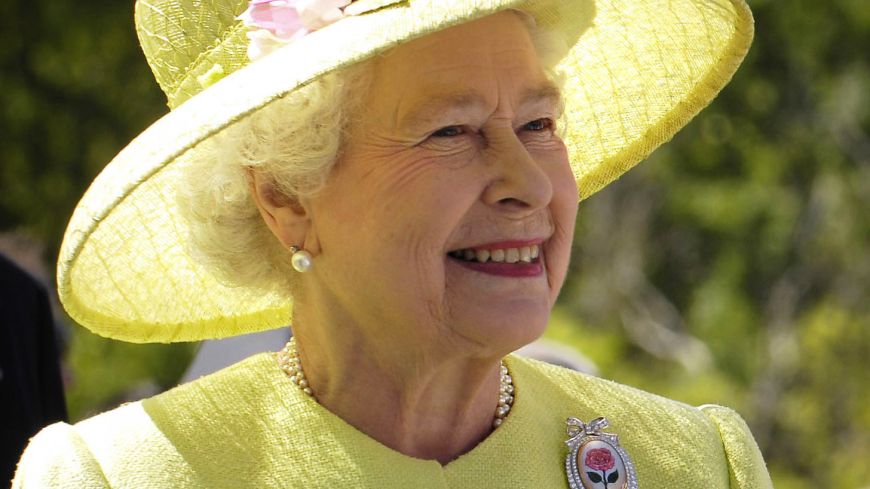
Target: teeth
[482,256]
[497,256]
[526,254]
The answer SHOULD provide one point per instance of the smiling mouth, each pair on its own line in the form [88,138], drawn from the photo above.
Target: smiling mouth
[513,262]
[522,255]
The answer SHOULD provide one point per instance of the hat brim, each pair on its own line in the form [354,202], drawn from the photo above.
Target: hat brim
[637,73]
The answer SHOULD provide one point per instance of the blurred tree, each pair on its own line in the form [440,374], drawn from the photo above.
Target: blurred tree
[733,267]
[735,264]
[74,89]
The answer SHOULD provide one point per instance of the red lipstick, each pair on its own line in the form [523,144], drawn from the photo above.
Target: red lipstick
[513,258]
[519,269]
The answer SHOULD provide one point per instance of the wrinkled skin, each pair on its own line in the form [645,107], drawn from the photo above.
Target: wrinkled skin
[456,147]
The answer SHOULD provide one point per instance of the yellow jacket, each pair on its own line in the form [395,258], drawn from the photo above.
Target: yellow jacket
[248,426]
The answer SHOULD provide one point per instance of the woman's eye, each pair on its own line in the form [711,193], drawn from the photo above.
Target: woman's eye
[448,132]
[539,125]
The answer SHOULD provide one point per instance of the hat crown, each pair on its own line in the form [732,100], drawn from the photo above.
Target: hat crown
[190,43]
[635,73]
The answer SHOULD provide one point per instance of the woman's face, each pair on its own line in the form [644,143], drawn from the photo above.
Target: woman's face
[452,163]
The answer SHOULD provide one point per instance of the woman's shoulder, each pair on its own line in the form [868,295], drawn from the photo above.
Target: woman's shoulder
[101,450]
[657,431]
[561,384]
[58,457]
[87,453]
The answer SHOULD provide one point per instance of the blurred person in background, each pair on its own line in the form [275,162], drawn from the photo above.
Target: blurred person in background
[404,177]
[31,389]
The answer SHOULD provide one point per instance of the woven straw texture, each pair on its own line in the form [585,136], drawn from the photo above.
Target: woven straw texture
[248,426]
[636,73]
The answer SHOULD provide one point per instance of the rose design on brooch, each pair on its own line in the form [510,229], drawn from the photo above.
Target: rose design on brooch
[595,459]
[601,459]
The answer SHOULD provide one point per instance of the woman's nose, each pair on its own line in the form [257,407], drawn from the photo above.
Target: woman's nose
[519,182]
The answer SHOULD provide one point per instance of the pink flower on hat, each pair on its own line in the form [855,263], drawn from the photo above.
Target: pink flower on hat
[316,14]
[277,22]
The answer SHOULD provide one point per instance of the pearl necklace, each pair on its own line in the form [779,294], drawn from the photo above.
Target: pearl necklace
[289,362]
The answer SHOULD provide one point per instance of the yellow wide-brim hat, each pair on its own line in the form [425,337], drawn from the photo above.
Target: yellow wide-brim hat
[636,72]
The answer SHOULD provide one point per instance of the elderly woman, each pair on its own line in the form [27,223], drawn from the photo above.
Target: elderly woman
[408,173]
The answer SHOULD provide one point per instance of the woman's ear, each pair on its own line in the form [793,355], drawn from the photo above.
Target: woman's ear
[285,216]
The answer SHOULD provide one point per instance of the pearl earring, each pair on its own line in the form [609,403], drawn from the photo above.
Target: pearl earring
[301,260]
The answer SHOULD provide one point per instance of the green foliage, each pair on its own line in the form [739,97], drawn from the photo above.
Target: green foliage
[822,410]
[75,90]
[731,268]
[104,373]
[734,266]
